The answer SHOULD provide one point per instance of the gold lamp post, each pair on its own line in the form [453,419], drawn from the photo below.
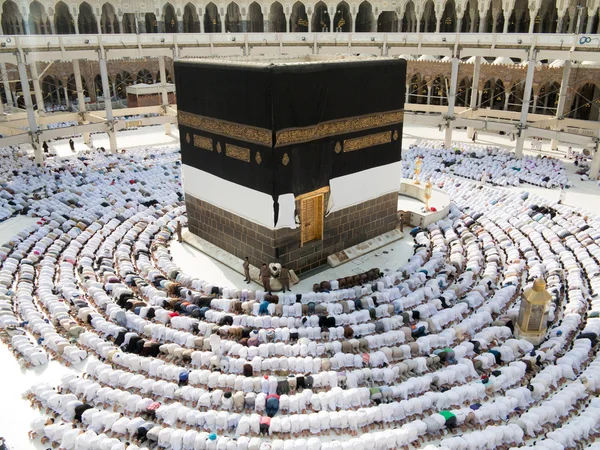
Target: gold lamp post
[428,187]
[533,313]
[418,164]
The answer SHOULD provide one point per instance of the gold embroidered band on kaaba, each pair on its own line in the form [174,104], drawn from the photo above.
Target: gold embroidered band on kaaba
[369,140]
[334,127]
[290,136]
[234,130]
[203,142]
[241,153]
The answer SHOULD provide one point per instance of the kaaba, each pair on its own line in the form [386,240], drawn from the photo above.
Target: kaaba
[290,160]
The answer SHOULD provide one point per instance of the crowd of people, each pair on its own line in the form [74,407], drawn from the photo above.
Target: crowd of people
[423,355]
[496,166]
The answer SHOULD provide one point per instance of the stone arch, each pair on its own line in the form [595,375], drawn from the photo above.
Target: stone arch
[320,18]
[98,87]
[515,99]
[171,21]
[298,18]
[72,88]
[417,90]
[494,20]
[575,12]
[342,21]
[519,18]
[12,19]
[19,90]
[586,102]
[387,22]
[409,19]
[428,18]
[439,91]
[276,18]
[547,101]
[109,23]
[191,23]
[493,95]
[63,21]
[448,23]
[463,92]
[151,23]
[144,76]
[129,23]
[51,87]
[233,18]
[470,20]
[212,19]
[39,23]
[86,21]
[546,18]
[122,80]
[365,19]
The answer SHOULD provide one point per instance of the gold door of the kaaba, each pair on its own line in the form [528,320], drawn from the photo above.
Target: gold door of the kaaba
[311,217]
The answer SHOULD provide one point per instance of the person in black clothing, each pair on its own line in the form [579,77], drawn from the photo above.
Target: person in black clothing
[45,147]
[72,145]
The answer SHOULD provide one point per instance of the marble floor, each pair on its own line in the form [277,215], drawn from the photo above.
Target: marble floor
[16,415]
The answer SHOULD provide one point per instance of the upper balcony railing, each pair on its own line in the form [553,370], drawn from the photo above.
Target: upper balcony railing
[380,43]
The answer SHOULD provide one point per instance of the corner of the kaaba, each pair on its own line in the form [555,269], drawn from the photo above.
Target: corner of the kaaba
[296,142]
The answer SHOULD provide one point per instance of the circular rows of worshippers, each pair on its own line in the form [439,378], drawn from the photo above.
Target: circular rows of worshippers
[423,355]
[493,165]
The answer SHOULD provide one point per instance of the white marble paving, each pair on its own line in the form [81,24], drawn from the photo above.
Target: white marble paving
[15,415]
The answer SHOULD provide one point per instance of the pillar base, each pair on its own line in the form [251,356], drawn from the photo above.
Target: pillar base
[595,167]
[519,147]
[112,136]
[470,132]
[536,338]
[168,129]
[554,144]
[86,138]
[448,137]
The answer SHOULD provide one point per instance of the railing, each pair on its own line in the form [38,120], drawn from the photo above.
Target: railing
[410,40]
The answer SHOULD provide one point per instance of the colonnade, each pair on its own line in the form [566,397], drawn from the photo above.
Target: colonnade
[25,75]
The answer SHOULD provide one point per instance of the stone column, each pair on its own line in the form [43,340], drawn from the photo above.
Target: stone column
[458,24]
[33,128]
[595,167]
[164,93]
[451,101]
[474,86]
[506,99]
[564,86]
[141,24]
[590,22]
[39,98]
[525,107]
[6,84]
[108,105]
[438,21]
[559,24]
[506,19]
[429,94]
[80,98]
[534,106]
[407,94]
[67,102]
[119,24]
[99,24]
[562,97]
[532,22]
[482,22]
[51,20]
